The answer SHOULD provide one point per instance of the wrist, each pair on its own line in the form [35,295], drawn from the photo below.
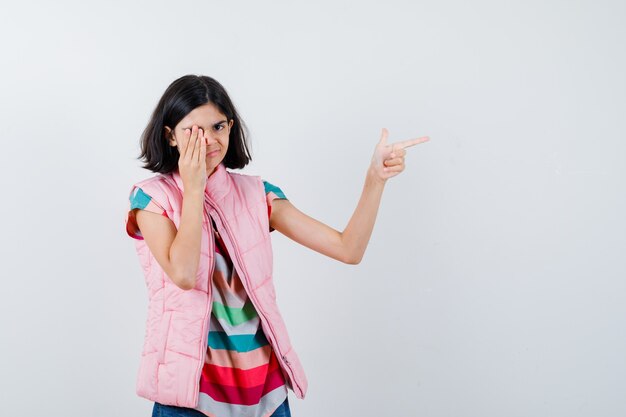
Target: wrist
[373,178]
[193,193]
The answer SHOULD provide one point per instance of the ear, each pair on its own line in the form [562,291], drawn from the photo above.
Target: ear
[231,123]
[169,136]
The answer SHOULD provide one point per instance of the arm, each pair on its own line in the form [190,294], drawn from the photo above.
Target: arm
[176,251]
[347,246]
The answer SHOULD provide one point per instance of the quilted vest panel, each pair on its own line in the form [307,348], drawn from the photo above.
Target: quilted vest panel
[177,321]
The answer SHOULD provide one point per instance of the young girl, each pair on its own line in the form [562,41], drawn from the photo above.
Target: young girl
[215,341]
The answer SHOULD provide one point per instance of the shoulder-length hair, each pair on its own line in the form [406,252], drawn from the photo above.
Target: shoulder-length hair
[179,99]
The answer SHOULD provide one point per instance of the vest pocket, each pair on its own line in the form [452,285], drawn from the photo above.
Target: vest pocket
[164,330]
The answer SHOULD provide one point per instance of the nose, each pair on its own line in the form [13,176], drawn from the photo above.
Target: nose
[208,137]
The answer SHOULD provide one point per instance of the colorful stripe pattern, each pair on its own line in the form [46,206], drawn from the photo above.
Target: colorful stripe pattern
[272,192]
[241,374]
[140,200]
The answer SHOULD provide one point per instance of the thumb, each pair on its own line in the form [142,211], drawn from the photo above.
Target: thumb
[383,137]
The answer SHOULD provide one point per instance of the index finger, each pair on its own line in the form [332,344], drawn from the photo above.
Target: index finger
[410,142]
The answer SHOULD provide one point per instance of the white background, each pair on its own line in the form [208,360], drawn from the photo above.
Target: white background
[494,281]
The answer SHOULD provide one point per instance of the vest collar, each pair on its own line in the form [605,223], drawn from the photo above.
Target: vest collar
[217,184]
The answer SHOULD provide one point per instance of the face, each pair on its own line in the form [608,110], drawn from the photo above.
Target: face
[215,132]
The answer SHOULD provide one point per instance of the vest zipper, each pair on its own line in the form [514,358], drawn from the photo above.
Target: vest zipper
[205,329]
[253,296]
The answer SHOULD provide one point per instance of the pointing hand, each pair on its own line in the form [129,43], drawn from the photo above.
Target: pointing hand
[388,159]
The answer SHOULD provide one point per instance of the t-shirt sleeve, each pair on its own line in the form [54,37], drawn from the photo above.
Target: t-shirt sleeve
[272,192]
[138,199]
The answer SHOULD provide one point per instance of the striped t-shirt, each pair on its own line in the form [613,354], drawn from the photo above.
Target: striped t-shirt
[241,374]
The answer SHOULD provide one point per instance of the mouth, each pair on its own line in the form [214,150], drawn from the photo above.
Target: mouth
[213,153]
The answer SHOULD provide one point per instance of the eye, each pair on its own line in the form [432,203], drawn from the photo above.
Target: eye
[218,127]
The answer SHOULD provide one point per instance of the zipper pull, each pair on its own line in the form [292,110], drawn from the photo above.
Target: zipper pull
[285,359]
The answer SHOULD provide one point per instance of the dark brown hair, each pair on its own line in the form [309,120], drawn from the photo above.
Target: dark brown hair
[179,99]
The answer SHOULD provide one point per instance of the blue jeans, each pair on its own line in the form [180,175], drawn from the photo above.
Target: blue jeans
[160,410]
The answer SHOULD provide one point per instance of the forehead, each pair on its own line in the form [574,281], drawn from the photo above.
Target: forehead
[207,114]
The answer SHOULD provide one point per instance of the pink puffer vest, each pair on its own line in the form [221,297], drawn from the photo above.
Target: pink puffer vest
[177,324]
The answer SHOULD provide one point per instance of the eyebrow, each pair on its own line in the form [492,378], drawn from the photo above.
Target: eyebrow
[214,124]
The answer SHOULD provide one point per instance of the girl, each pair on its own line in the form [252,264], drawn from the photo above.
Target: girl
[215,341]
